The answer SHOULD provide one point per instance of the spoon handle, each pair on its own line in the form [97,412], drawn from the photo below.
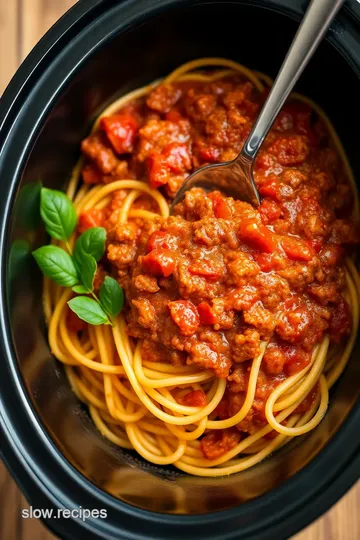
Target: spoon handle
[316,21]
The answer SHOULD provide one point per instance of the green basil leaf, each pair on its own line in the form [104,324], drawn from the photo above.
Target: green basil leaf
[86,267]
[88,310]
[80,289]
[91,242]
[58,213]
[56,264]
[111,296]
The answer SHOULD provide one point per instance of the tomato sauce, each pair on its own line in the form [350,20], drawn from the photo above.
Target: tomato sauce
[207,285]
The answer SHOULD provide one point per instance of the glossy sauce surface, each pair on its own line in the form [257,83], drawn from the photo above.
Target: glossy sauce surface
[208,284]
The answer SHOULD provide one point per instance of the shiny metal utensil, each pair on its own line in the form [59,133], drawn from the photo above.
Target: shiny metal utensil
[235,177]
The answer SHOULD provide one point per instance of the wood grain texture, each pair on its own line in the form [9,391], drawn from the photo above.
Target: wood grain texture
[22,24]
[10,55]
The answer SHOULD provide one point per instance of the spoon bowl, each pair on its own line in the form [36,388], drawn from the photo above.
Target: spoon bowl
[234,178]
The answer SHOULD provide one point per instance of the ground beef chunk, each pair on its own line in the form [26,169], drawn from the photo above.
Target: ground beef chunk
[155,135]
[261,318]
[145,283]
[293,325]
[146,313]
[163,98]
[246,346]
[274,360]
[291,150]
[203,355]
[271,289]
[98,150]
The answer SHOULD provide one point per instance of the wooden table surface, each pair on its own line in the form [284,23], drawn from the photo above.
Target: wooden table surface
[22,23]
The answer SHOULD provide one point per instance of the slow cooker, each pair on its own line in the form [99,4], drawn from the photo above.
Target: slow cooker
[100,49]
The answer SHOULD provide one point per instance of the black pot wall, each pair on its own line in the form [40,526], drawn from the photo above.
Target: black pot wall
[99,50]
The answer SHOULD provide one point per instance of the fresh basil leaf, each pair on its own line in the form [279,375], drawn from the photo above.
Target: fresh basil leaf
[91,242]
[58,213]
[80,289]
[88,310]
[86,267]
[56,264]
[111,296]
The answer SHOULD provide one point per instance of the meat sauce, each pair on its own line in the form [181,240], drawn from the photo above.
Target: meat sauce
[205,286]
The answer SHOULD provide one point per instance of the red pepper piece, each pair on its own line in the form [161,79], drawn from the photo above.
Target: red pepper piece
[121,130]
[160,239]
[159,262]
[257,236]
[206,313]
[296,249]
[91,218]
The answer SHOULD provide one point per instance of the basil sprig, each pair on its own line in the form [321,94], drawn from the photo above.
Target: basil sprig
[77,270]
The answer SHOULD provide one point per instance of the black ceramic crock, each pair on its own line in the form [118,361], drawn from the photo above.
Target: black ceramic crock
[96,51]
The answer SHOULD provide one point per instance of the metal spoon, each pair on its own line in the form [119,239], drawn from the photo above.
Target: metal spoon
[235,178]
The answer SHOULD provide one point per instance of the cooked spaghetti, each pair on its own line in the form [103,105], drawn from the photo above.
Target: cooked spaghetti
[238,321]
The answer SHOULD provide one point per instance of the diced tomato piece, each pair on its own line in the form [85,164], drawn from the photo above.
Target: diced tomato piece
[221,208]
[185,316]
[159,262]
[91,218]
[73,322]
[204,269]
[257,235]
[173,116]
[340,322]
[206,313]
[270,188]
[216,443]
[197,398]
[91,174]
[296,249]
[269,210]
[160,239]
[177,157]
[121,130]
[158,170]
